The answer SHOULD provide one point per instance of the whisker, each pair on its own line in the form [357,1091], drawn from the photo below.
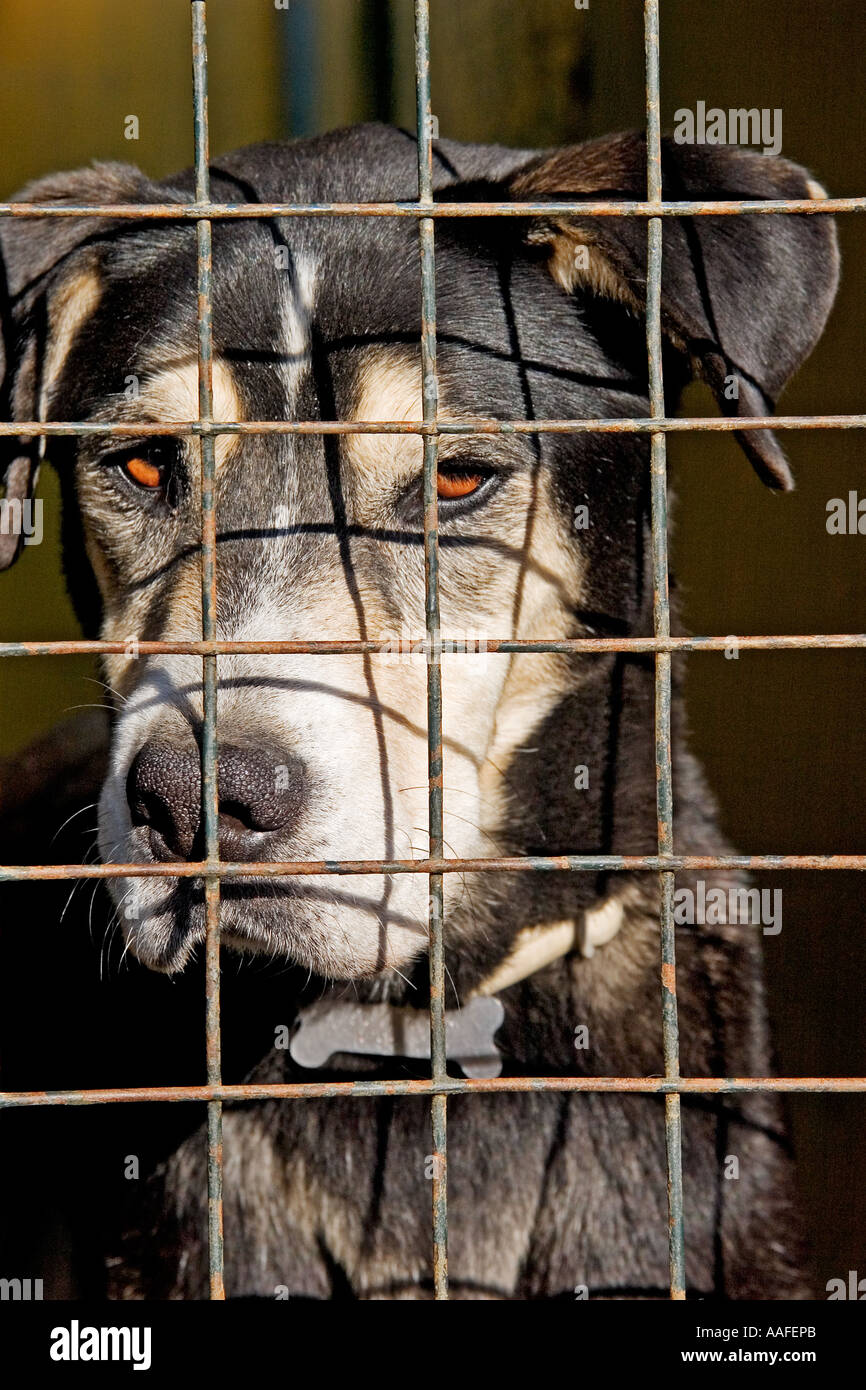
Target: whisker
[91,806]
[115,694]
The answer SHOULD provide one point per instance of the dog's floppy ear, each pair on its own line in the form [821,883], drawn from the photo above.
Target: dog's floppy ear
[36,300]
[746,297]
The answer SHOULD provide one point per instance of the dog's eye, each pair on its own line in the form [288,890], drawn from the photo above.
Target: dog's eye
[152,467]
[454,483]
[147,471]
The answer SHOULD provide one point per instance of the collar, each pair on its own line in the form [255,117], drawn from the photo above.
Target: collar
[333,1026]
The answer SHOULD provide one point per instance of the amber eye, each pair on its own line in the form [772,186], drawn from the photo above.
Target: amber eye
[145,472]
[457,483]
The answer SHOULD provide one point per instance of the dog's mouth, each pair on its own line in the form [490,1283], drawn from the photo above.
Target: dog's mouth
[322,923]
[166,934]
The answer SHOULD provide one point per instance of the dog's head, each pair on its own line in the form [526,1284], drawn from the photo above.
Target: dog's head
[325,757]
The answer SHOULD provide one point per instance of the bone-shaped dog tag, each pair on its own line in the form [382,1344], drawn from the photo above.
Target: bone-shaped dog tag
[384,1030]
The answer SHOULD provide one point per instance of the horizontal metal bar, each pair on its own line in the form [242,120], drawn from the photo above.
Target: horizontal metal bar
[191,212]
[618,425]
[529,863]
[449,1085]
[400,646]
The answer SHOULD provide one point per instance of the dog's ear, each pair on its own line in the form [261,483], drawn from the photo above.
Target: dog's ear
[745,297]
[41,307]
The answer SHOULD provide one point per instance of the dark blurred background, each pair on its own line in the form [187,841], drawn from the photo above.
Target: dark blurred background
[782,735]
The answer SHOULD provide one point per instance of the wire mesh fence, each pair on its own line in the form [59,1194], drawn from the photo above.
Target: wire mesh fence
[212,871]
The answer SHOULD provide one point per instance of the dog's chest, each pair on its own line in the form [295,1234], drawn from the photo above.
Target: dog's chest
[544,1193]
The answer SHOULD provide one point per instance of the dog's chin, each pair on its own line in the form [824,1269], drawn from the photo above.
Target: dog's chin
[331,939]
[161,943]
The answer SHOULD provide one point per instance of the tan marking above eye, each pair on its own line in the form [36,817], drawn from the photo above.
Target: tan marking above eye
[70,305]
[145,473]
[453,484]
[172,394]
[388,387]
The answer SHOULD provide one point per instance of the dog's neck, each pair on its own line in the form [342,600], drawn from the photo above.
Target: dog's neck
[604,724]
[334,1027]
[537,947]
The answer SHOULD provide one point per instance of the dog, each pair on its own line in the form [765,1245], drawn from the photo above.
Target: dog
[324,757]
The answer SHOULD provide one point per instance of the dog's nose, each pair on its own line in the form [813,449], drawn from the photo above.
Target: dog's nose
[261,792]
[163,790]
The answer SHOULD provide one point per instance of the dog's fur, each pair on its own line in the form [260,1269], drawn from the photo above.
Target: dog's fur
[320,319]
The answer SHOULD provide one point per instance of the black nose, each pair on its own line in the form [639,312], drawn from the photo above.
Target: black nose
[261,793]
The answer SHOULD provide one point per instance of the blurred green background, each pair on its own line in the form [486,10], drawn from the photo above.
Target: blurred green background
[783,735]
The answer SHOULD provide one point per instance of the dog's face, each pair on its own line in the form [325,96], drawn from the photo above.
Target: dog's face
[325,757]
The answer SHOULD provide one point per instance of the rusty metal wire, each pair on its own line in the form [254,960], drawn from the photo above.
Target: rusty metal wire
[450,1085]
[526,863]
[431,428]
[209,751]
[430,402]
[478,426]
[187,212]
[836,641]
[662,629]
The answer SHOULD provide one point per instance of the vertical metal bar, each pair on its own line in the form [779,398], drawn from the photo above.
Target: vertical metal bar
[430,397]
[209,754]
[661,628]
